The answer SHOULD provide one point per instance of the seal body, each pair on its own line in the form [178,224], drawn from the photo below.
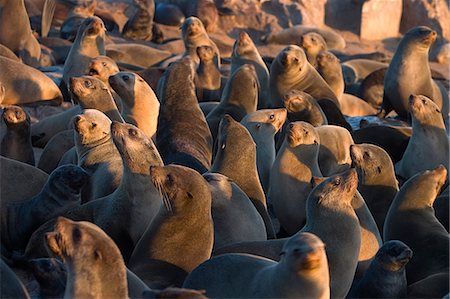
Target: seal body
[140,25]
[207,76]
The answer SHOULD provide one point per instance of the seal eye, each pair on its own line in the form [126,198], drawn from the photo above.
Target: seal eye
[272,117]
[87,83]
[104,63]
[337,182]
[93,125]
[169,179]
[125,78]
[76,234]
[132,132]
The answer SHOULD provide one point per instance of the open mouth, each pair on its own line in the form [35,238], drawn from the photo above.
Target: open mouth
[93,72]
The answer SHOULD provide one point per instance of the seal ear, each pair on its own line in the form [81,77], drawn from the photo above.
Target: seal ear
[97,255]
[189,194]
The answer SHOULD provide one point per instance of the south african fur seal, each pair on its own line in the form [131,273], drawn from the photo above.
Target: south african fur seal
[97,154]
[263,125]
[61,193]
[168,14]
[24,84]
[75,17]
[234,216]
[376,179]
[355,70]
[329,68]
[83,243]
[302,272]
[140,104]
[89,43]
[293,34]
[303,107]
[206,11]
[386,276]
[16,143]
[183,223]
[291,70]
[239,97]
[409,73]
[183,134]
[427,129]
[313,43]
[15,32]
[6,52]
[412,211]
[12,287]
[245,51]
[194,35]
[291,173]
[371,88]
[137,55]
[207,76]
[140,25]
[236,159]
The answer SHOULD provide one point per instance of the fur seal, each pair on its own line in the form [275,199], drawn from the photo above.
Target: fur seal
[239,97]
[376,179]
[25,85]
[333,113]
[89,43]
[83,243]
[140,104]
[194,35]
[136,55]
[183,135]
[386,270]
[412,211]
[245,51]
[302,272]
[427,128]
[75,17]
[372,88]
[185,216]
[12,287]
[434,286]
[303,107]
[293,34]
[51,275]
[140,25]
[16,32]
[234,216]
[329,68]
[291,173]
[168,14]
[291,70]
[61,192]
[19,180]
[206,11]
[207,76]
[334,153]
[312,43]
[409,73]
[236,159]
[6,52]
[97,154]
[16,143]
[355,70]
[263,125]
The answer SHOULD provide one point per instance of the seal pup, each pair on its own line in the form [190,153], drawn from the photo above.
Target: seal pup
[301,106]
[291,70]
[12,287]
[89,43]
[234,216]
[140,25]
[312,43]
[263,125]
[97,154]
[334,152]
[19,180]
[291,173]
[386,276]
[140,104]
[16,143]
[207,76]
[293,34]
[245,51]
[427,128]
[61,193]
[236,159]
[409,73]
[183,135]
[16,32]
[194,35]
[329,67]
[412,211]
[184,222]
[376,179]
[24,84]
[82,243]
[239,97]
[302,272]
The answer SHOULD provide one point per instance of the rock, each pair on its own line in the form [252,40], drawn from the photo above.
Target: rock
[432,13]
[380,19]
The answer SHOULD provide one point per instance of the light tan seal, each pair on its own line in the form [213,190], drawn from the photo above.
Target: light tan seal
[183,223]
[136,54]
[411,220]
[295,165]
[409,73]
[95,268]
[428,146]
[330,69]
[140,104]
[302,272]
[25,85]
[291,70]
[16,33]
[313,43]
